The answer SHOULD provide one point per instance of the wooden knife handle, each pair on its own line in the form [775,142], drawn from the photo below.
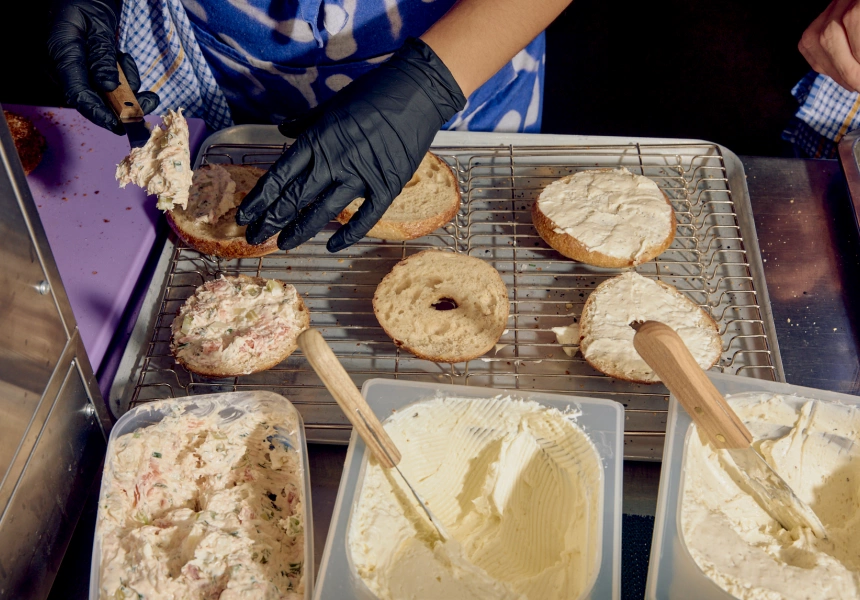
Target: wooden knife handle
[122,100]
[350,400]
[665,352]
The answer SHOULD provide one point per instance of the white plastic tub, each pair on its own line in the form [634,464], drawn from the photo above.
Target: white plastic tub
[602,421]
[672,572]
[226,406]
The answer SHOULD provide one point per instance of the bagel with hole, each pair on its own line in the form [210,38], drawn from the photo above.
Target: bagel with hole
[442,306]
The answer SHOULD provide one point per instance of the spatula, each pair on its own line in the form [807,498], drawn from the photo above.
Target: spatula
[124,105]
[368,427]
[665,352]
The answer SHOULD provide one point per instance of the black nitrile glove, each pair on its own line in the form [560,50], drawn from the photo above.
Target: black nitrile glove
[366,141]
[82,45]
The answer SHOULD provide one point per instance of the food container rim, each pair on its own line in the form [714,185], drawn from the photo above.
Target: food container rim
[270,399]
[336,561]
[670,560]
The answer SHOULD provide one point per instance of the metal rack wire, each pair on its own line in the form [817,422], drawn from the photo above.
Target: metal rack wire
[707,261]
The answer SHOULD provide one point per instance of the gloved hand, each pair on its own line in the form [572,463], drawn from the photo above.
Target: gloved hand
[831,43]
[367,142]
[82,45]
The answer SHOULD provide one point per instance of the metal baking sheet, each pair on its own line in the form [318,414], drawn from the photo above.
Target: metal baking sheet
[714,260]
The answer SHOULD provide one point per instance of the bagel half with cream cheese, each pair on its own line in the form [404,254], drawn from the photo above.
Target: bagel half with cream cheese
[607,338]
[605,217]
[429,200]
[208,223]
[237,325]
[442,306]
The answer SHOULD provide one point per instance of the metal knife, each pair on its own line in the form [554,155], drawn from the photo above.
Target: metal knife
[665,352]
[123,103]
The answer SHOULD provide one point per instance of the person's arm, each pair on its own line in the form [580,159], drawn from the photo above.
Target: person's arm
[367,140]
[476,38]
[831,43]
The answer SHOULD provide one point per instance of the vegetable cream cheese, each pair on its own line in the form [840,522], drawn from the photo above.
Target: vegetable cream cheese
[813,446]
[201,507]
[212,197]
[614,212]
[163,165]
[518,486]
[230,323]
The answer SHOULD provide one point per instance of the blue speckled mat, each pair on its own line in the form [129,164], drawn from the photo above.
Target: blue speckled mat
[635,549]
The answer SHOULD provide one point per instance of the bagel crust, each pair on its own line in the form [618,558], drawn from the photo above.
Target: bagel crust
[600,209]
[237,325]
[223,237]
[443,306]
[29,142]
[428,201]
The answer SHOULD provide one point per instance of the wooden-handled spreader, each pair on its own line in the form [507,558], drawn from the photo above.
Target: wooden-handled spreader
[665,352]
[356,409]
[125,106]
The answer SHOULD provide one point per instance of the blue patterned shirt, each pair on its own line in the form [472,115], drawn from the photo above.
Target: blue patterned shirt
[267,60]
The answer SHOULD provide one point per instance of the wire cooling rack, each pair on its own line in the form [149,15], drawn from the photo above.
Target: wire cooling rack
[709,261]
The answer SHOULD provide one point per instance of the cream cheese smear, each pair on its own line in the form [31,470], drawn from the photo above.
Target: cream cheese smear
[518,486]
[163,166]
[813,446]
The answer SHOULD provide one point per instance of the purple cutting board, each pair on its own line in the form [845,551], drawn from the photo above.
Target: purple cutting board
[100,235]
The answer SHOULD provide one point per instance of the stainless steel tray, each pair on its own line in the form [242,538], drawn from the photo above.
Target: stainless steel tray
[714,259]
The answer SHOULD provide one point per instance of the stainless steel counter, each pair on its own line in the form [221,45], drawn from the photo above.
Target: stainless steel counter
[809,241]
[812,261]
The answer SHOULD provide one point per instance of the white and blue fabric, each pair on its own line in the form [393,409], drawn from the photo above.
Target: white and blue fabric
[270,60]
[160,38]
[827,112]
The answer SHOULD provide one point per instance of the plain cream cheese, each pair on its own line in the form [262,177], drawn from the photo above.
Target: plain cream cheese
[518,486]
[813,446]
[568,338]
[617,302]
[163,165]
[614,212]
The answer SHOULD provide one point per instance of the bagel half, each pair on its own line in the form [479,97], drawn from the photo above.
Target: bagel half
[208,224]
[442,306]
[238,325]
[429,200]
[607,338]
[605,217]
[29,141]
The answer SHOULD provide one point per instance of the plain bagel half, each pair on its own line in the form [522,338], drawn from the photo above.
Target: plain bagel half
[428,201]
[442,306]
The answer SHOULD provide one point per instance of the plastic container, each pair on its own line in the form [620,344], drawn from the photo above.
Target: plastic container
[672,572]
[228,406]
[602,420]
